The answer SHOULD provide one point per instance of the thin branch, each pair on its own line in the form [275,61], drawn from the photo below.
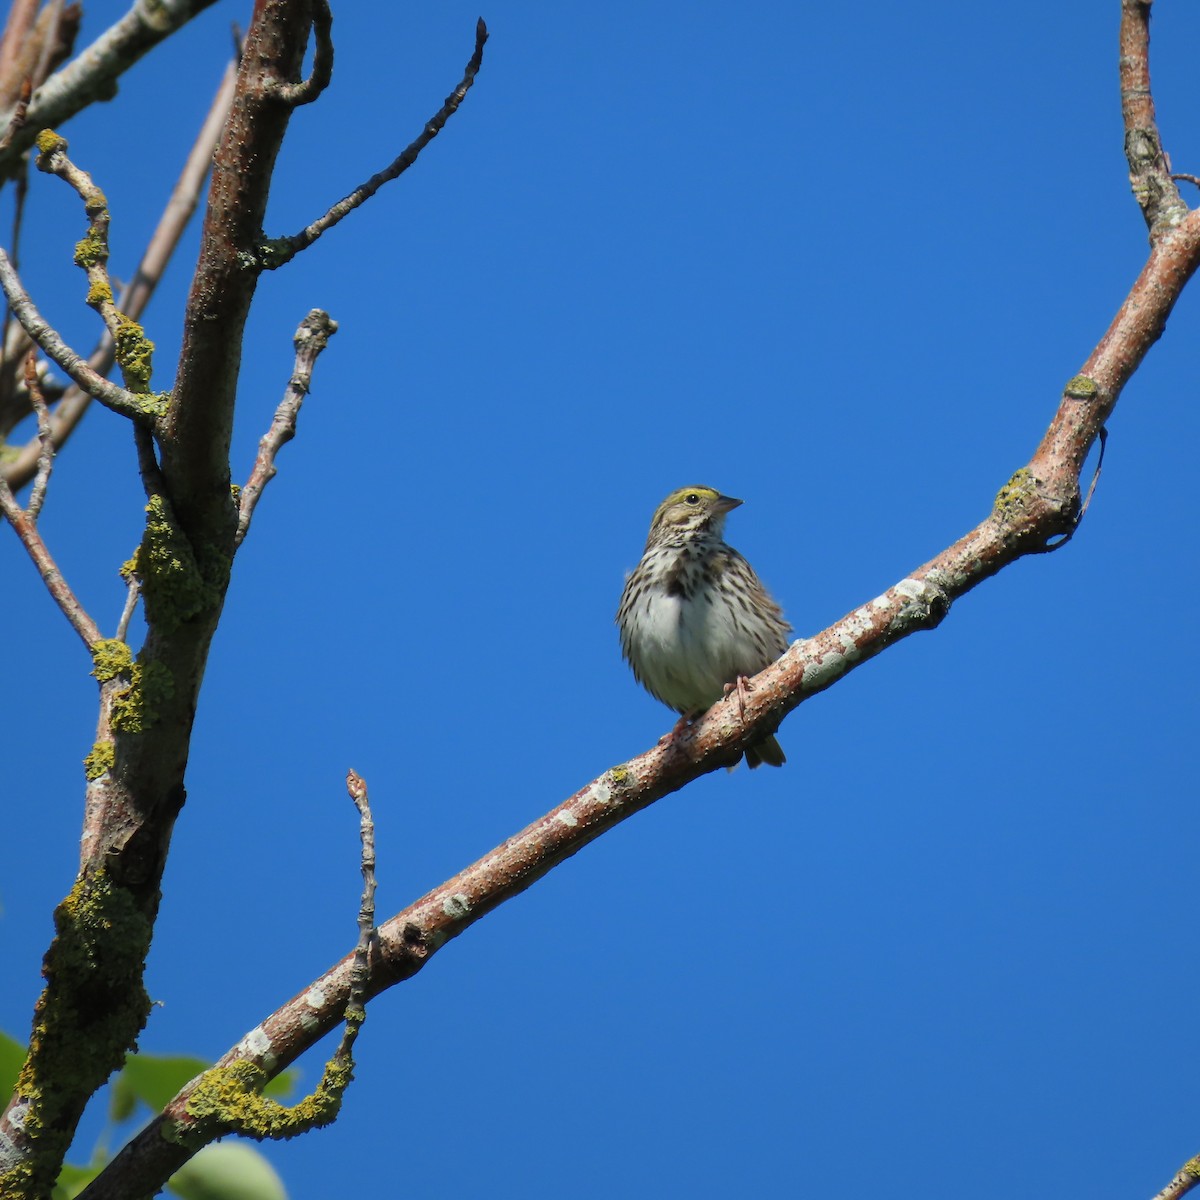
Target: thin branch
[284,249]
[46,456]
[93,73]
[360,971]
[1149,165]
[311,338]
[228,1098]
[1192,179]
[307,91]
[1186,1178]
[134,590]
[52,577]
[132,349]
[151,473]
[137,293]
[136,407]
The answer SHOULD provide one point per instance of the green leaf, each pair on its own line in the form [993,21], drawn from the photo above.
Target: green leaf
[12,1055]
[227,1171]
[72,1180]
[282,1086]
[151,1079]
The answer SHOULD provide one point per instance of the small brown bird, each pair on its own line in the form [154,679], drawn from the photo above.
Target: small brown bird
[694,618]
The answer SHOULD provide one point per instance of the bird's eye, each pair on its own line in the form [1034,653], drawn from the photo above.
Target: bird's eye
[691,498]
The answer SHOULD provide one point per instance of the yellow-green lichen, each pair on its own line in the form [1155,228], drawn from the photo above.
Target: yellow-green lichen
[1012,498]
[173,586]
[1080,387]
[90,1013]
[230,1098]
[101,760]
[48,142]
[134,354]
[620,776]
[18,1181]
[111,657]
[95,203]
[137,707]
[99,293]
[91,249]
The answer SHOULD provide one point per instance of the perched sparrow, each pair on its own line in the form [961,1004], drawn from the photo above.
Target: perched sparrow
[694,618]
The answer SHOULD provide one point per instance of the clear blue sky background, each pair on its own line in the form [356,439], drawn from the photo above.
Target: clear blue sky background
[838,261]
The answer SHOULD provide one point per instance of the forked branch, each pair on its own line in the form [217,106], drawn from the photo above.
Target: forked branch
[134,297]
[137,407]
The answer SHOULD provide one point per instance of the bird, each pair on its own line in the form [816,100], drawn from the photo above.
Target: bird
[695,620]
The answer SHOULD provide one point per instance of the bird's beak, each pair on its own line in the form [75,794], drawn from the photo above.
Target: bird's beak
[726,504]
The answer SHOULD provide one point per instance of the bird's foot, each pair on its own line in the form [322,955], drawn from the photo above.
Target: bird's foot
[684,721]
[744,687]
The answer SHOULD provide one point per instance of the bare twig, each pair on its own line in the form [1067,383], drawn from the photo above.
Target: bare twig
[46,456]
[148,468]
[1192,179]
[1186,1178]
[360,971]
[282,251]
[136,407]
[137,293]
[92,74]
[52,577]
[311,338]
[134,590]
[309,89]
[1149,166]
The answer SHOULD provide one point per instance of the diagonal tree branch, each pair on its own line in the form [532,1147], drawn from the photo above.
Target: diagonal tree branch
[92,75]
[1038,505]
[1186,1178]
[25,526]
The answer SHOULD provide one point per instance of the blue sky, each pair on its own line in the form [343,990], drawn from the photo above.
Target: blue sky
[838,262]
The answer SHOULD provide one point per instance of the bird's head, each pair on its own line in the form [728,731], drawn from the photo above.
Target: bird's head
[689,510]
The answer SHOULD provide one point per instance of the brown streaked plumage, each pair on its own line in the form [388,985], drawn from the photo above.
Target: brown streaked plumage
[694,618]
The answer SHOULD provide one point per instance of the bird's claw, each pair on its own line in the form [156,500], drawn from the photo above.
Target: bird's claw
[743,687]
